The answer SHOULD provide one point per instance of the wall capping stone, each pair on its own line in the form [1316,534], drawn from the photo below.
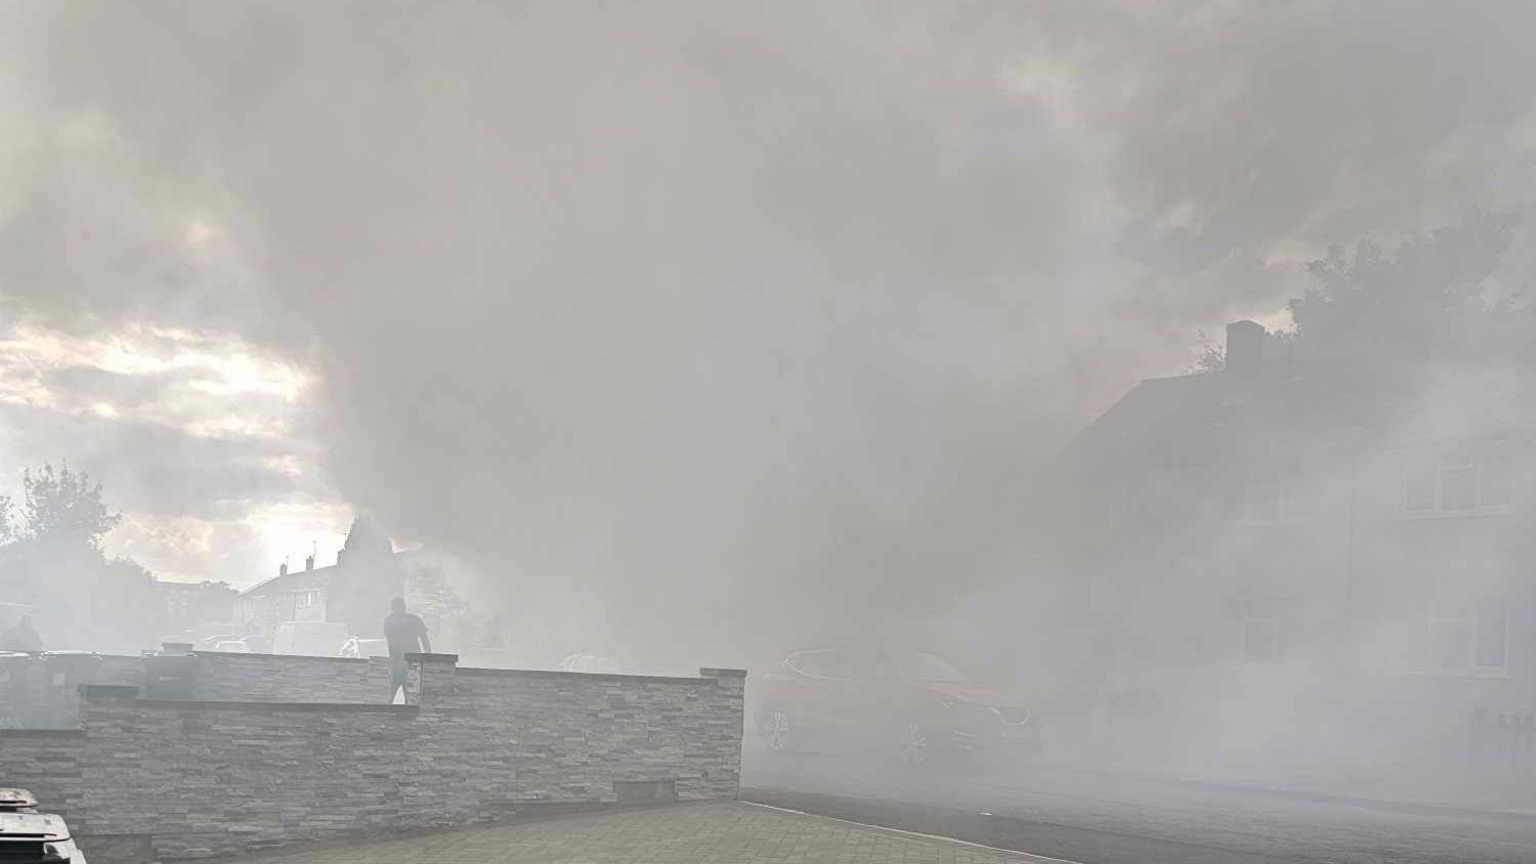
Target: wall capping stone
[713,672]
[246,707]
[432,658]
[580,676]
[42,733]
[109,691]
[269,657]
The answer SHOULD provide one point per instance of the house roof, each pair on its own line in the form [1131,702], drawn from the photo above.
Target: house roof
[1154,408]
[1194,416]
[298,580]
[321,577]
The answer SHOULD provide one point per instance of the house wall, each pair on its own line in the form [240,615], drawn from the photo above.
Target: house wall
[261,615]
[166,780]
[1351,577]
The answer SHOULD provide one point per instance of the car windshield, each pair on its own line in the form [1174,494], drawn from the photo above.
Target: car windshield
[927,667]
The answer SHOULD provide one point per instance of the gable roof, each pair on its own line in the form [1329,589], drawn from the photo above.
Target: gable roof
[1154,408]
[298,580]
[367,567]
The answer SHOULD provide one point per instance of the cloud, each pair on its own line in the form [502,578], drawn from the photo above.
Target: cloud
[206,385]
[197,437]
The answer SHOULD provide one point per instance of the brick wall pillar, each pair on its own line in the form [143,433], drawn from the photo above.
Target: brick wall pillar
[722,737]
[734,679]
[429,673]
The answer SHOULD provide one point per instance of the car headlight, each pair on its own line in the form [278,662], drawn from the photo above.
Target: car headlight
[61,850]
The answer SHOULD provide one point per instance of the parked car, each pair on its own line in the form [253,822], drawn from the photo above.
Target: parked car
[235,646]
[13,800]
[358,649]
[600,664]
[315,638]
[29,837]
[913,706]
[208,643]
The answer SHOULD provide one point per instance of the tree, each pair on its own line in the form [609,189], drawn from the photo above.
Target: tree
[55,563]
[1424,301]
[62,505]
[1213,358]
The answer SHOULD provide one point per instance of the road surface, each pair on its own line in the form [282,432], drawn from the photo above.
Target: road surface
[1100,818]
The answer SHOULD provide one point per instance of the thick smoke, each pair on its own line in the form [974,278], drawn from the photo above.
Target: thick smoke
[707,329]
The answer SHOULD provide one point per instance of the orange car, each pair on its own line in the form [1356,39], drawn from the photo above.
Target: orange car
[913,706]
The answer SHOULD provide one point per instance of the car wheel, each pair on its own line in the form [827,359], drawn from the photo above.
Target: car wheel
[777,730]
[916,746]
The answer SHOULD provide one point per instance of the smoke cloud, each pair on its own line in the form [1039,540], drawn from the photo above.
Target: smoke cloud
[711,329]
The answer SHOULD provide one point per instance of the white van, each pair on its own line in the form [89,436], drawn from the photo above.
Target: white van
[316,638]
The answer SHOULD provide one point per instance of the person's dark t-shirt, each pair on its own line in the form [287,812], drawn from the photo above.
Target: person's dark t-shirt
[403,631]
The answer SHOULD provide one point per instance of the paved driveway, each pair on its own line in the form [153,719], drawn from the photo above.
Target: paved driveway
[725,832]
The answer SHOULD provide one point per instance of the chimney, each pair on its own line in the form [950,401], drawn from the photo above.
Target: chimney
[339,554]
[309,562]
[282,569]
[1245,348]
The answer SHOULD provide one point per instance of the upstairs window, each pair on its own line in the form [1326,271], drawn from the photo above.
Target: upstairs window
[309,605]
[1458,482]
[1274,491]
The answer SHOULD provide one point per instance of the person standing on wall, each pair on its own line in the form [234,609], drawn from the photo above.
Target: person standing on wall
[406,634]
[21,637]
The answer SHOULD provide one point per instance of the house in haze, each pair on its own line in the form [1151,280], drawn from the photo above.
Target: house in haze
[355,591]
[1283,542]
[188,605]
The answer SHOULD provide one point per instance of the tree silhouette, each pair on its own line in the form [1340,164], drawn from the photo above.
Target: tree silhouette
[62,505]
[1424,301]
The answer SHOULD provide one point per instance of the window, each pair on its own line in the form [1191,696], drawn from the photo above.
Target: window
[1494,480]
[1299,490]
[1466,639]
[1491,635]
[1260,631]
[309,605]
[1421,486]
[1458,482]
[1264,498]
[1274,491]
[1450,640]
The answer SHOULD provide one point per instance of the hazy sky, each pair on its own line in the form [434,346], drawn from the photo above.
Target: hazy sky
[676,301]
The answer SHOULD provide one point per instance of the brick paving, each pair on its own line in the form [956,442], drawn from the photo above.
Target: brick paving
[724,832]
